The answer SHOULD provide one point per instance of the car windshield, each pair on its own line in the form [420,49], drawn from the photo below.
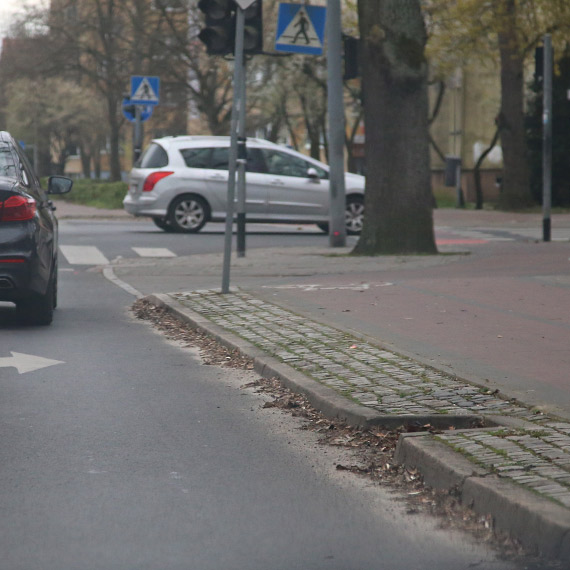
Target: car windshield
[7,164]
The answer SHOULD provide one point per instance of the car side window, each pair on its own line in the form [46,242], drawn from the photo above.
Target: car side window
[29,177]
[284,164]
[255,161]
[196,157]
[25,168]
[220,158]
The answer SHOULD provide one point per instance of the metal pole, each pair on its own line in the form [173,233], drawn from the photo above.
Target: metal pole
[459,201]
[238,72]
[241,166]
[547,139]
[137,139]
[337,229]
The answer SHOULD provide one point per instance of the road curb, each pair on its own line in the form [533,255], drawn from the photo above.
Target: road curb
[538,523]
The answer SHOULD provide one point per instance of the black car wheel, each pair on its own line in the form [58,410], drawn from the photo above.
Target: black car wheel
[188,214]
[163,224]
[38,310]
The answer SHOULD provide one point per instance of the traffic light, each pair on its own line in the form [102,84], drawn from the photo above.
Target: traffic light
[219,33]
[351,57]
[253,32]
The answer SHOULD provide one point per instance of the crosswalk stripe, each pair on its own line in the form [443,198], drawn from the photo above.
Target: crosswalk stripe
[83,255]
[153,252]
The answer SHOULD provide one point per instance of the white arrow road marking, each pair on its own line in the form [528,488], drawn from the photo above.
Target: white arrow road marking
[27,362]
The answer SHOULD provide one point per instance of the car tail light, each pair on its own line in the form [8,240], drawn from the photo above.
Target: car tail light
[153,178]
[17,209]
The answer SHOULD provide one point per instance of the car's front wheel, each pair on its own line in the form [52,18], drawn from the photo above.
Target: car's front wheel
[188,214]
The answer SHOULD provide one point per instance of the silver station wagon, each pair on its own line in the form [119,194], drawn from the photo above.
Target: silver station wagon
[181,183]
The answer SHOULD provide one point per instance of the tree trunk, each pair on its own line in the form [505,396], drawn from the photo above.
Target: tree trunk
[398,215]
[85,161]
[516,192]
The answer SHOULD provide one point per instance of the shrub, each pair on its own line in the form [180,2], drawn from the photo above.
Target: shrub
[97,193]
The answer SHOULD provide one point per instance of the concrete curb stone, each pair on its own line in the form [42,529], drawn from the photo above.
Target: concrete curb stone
[537,522]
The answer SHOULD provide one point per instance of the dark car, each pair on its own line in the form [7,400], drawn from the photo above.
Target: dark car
[28,235]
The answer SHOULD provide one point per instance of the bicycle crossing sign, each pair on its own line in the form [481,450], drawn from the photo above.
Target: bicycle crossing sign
[301,28]
[144,90]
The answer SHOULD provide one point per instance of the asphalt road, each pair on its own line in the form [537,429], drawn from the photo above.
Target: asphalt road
[129,453]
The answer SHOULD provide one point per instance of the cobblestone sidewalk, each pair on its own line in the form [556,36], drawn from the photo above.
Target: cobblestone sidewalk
[537,457]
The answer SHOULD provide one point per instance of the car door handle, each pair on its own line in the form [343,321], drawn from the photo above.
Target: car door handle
[218,177]
[277,182]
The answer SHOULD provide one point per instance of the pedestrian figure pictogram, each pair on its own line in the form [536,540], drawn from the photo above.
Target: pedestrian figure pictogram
[301,28]
[302,23]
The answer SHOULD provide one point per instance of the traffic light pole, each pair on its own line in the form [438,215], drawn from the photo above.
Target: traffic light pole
[547,139]
[241,168]
[238,79]
[337,225]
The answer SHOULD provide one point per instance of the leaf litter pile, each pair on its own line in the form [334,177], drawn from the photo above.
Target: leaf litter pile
[372,449]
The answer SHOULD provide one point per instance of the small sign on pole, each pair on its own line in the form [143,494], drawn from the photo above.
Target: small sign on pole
[245,4]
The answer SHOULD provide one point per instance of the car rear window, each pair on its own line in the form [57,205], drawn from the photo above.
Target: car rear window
[7,165]
[153,157]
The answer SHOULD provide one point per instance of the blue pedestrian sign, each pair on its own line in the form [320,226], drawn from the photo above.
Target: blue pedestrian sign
[301,28]
[145,90]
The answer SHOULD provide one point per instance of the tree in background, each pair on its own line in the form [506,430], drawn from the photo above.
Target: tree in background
[62,112]
[560,135]
[100,44]
[398,215]
[504,32]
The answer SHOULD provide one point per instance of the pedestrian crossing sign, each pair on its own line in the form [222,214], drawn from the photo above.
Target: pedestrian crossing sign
[301,28]
[144,90]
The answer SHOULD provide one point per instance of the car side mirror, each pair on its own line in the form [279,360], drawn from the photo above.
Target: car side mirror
[313,174]
[59,184]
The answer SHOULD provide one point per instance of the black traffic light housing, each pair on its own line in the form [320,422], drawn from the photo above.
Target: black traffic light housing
[253,33]
[351,57]
[219,32]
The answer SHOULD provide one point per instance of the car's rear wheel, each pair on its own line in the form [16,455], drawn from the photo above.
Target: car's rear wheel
[188,214]
[38,310]
[163,224]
